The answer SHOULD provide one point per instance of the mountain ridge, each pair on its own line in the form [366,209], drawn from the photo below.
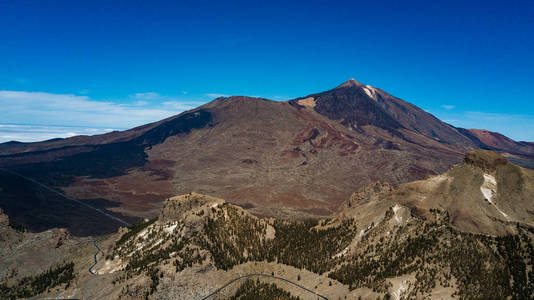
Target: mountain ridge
[411,241]
[299,158]
[122,135]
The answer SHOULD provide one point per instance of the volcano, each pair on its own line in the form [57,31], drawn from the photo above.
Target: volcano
[295,159]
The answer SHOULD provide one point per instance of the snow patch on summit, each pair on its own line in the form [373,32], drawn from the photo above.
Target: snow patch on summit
[370,91]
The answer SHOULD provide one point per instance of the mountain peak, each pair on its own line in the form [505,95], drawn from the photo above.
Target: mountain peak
[485,159]
[350,83]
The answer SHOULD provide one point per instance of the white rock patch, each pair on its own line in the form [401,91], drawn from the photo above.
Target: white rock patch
[398,218]
[489,189]
[370,91]
[111,267]
[342,252]
[158,242]
[143,233]
[398,292]
[139,247]
[490,178]
[170,228]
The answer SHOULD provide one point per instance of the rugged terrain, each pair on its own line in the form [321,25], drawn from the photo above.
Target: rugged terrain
[293,159]
[463,234]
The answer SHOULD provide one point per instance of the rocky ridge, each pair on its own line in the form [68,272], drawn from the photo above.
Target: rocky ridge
[434,238]
[293,159]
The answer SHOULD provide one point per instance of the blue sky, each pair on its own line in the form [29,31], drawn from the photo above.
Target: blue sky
[100,65]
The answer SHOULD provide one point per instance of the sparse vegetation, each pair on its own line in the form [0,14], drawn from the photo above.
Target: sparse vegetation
[240,238]
[483,267]
[302,245]
[429,249]
[147,251]
[134,230]
[153,274]
[34,285]
[17,226]
[251,290]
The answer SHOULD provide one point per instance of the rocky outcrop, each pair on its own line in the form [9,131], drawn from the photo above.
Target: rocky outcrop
[486,160]
[369,193]
[176,207]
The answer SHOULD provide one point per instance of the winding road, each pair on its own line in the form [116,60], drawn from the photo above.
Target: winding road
[98,250]
[261,275]
[128,224]
[96,259]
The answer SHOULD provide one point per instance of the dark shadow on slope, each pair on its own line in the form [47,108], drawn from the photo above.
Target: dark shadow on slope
[110,160]
[38,209]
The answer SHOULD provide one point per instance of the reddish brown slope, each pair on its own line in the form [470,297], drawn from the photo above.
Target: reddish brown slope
[356,105]
[276,158]
[298,158]
[497,141]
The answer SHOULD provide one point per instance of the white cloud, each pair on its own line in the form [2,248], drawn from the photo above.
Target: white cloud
[448,106]
[281,98]
[34,133]
[140,103]
[146,96]
[21,107]
[180,105]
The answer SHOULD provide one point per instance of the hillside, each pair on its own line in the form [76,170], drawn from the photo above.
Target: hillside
[484,195]
[404,243]
[294,159]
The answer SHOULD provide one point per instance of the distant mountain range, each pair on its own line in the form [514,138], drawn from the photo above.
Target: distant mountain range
[293,159]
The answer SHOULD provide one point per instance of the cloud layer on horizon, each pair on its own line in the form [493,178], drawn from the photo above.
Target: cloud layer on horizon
[36,133]
[63,115]
[35,116]
[20,107]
